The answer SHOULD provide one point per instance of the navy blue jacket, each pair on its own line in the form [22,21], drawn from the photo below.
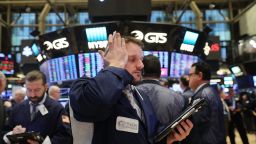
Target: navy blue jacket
[50,124]
[209,120]
[100,100]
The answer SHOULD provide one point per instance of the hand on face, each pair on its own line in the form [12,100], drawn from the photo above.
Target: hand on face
[183,131]
[116,54]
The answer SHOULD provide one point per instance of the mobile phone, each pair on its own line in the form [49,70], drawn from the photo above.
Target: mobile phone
[197,104]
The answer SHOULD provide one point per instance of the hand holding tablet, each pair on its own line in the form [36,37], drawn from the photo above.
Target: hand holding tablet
[197,104]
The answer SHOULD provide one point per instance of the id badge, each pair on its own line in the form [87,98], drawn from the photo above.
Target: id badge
[43,110]
[127,124]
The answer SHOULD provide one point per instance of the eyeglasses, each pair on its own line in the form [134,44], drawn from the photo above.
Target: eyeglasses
[190,74]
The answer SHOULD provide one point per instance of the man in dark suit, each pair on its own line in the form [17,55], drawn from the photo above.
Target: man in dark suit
[40,113]
[209,121]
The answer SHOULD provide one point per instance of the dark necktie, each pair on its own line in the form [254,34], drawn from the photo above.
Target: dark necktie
[133,101]
[34,111]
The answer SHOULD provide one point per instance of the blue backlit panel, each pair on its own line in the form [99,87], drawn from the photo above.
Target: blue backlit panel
[190,38]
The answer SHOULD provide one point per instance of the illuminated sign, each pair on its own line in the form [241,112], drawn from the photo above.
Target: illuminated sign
[40,57]
[151,37]
[57,44]
[27,51]
[207,49]
[97,37]
[215,47]
[189,41]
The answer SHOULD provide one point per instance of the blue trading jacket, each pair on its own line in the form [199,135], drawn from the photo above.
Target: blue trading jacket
[100,100]
[50,124]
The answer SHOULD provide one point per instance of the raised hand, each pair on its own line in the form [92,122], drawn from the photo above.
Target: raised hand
[116,54]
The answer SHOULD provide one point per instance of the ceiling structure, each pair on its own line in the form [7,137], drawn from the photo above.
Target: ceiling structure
[19,5]
[236,7]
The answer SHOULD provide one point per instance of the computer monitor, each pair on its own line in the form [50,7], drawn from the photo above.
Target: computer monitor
[237,70]
[89,64]
[228,81]
[181,63]
[64,96]
[62,68]
[6,94]
[163,58]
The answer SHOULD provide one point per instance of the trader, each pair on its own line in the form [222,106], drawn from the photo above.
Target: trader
[40,113]
[115,111]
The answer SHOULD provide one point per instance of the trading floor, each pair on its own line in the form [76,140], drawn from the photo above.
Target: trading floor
[251,137]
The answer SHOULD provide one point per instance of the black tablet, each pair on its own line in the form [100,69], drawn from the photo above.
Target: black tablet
[23,137]
[183,116]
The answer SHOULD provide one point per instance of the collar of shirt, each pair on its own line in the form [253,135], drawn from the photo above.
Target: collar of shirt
[200,86]
[40,103]
[185,89]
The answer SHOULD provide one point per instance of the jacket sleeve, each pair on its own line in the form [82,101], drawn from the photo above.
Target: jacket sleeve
[204,114]
[62,132]
[92,99]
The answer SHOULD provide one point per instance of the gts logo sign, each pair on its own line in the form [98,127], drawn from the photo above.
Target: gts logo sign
[57,44]
[151,37]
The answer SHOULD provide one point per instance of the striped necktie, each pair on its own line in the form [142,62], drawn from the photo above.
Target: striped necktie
[129,94]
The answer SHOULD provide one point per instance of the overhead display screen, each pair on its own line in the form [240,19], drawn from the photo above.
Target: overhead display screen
[181,63]
[62,69]
[89,64]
